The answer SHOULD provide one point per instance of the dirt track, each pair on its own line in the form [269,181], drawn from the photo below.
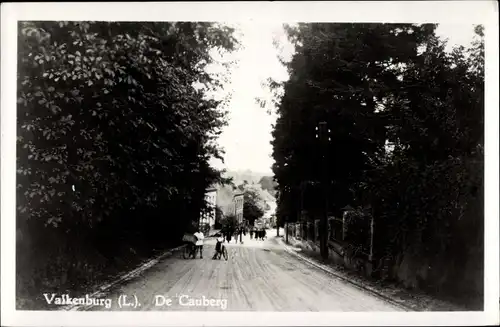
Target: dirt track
[259,276]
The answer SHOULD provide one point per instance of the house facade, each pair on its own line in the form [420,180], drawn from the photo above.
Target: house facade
[239,201]
[211,199]
[273,221]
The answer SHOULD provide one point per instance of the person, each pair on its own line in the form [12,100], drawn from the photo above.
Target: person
[199,243]
[251,233]
[241,235]
[263,234]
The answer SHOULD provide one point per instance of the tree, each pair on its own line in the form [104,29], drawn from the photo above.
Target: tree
[251,208]
[339,74]
[437,132]
[93,82]
[115,129]
[406,121]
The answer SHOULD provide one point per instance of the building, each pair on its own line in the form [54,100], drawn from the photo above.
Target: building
[273,221]
[211,199]
[239,201]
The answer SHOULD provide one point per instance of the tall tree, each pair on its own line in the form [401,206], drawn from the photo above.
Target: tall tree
[122,95]
[115,129]
[251,209]
[406,121]
[340,74]
[254,203]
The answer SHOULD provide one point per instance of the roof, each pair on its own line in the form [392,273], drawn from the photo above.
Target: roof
[211,189]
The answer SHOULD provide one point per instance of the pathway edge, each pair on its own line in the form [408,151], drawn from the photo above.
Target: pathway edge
[330,271]
[123,278]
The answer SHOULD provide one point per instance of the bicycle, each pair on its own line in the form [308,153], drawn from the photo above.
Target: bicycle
[222,252]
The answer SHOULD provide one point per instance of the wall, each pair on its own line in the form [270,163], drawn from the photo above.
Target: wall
[340,252]
[459,279]
[300,236]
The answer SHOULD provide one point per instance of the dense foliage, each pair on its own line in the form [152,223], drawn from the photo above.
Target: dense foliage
[356,225]
[252,208]
[406,138]
[267,183]
[114,136]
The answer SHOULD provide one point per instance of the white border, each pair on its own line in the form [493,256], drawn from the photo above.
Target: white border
[484,12]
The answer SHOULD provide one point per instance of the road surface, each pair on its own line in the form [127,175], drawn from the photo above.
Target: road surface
[259,276]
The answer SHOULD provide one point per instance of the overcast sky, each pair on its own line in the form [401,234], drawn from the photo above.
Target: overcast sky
[246,140]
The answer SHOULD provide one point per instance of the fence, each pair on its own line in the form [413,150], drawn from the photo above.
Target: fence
[353,240]
[310,231]
[348,250]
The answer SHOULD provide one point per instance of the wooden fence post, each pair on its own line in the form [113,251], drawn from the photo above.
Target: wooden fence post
[372,223]
[343,226]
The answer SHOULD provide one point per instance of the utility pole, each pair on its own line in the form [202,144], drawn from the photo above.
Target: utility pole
[299,202]
[276,215]
[323,135]
[287,214]
[286,229]
[302,187]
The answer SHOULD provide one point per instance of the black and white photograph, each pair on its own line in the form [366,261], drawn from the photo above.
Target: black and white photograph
[247,163]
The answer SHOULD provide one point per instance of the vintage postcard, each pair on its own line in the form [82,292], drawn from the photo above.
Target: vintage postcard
[272,163]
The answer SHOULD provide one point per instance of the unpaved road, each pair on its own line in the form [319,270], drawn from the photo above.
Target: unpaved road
[259,276]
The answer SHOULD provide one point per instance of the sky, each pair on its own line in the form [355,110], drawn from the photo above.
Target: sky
[246,139]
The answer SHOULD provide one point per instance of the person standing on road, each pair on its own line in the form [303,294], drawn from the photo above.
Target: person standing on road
[251,233]
[199,243]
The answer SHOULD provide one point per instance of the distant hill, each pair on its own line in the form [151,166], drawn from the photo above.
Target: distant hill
[239,176]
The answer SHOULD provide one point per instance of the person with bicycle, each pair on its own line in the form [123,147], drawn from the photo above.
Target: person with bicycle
[193,239]
[199,243]
[220,249]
